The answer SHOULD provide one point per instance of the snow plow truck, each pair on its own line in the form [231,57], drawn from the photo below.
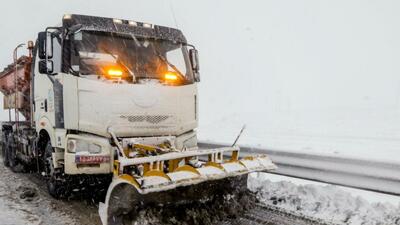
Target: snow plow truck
[105,100]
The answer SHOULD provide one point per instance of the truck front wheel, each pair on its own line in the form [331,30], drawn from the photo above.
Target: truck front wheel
[56,182]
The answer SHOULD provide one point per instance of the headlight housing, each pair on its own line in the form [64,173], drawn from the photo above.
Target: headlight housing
[71,145]
[76,145]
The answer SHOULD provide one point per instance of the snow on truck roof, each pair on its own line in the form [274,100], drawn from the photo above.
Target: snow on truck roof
[130,27]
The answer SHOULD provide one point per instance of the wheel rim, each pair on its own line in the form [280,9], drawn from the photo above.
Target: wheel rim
[54,184]
[49,169]
[48,161]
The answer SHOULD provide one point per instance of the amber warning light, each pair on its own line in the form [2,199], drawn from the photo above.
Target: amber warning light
[114,73]
[170,76]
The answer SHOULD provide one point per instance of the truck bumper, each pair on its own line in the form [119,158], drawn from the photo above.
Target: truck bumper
[83,161]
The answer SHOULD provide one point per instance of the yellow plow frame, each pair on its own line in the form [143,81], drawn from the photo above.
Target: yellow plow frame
[167,170]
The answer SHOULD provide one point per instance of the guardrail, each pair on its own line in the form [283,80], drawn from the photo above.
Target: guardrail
[364,174]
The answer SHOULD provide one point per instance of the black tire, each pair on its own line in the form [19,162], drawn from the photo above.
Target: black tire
[4,152]
[123,203]
[13,161]
[56,182]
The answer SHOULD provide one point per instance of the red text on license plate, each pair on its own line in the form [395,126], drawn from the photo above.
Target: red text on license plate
[91,159]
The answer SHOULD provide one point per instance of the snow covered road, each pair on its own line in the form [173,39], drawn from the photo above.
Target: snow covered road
[24,201]
[271,215]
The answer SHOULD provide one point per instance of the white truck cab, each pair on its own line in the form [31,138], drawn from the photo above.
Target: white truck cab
[96,80]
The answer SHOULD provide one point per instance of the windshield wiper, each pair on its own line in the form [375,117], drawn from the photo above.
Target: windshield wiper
[121,63]
[170,64]
[161,57]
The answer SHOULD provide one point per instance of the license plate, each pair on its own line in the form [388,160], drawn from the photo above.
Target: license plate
[89,159]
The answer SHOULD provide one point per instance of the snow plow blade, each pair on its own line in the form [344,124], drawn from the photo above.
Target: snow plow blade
[175,177]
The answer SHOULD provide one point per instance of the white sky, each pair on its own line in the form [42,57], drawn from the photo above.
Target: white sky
[258,56]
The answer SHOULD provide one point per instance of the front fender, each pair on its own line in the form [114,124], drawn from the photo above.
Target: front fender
[44,124]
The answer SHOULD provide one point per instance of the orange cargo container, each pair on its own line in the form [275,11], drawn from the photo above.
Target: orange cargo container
[9,86]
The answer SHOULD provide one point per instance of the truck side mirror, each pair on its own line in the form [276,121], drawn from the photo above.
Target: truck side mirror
[45,45]
[196,76]
[194,61]
[46,67]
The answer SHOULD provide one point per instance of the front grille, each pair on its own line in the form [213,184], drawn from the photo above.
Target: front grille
[154,119]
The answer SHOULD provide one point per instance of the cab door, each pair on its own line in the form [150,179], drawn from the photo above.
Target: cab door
[47,82]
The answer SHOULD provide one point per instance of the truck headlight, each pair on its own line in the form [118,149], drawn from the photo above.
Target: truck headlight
[74,146]
[71,146]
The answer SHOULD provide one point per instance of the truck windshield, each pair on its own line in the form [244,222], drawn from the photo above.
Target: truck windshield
[132,58]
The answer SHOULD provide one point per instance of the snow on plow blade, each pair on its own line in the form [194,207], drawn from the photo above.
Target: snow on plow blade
[176,176]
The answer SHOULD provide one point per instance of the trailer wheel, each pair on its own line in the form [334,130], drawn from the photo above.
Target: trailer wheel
[56,184]
[4,152]
[13,161]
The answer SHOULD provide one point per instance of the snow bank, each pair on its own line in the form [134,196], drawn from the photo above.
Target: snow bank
[326,202]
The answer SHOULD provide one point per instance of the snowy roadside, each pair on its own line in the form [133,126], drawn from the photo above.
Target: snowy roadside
[327,202]
[355,134]
[25,202]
